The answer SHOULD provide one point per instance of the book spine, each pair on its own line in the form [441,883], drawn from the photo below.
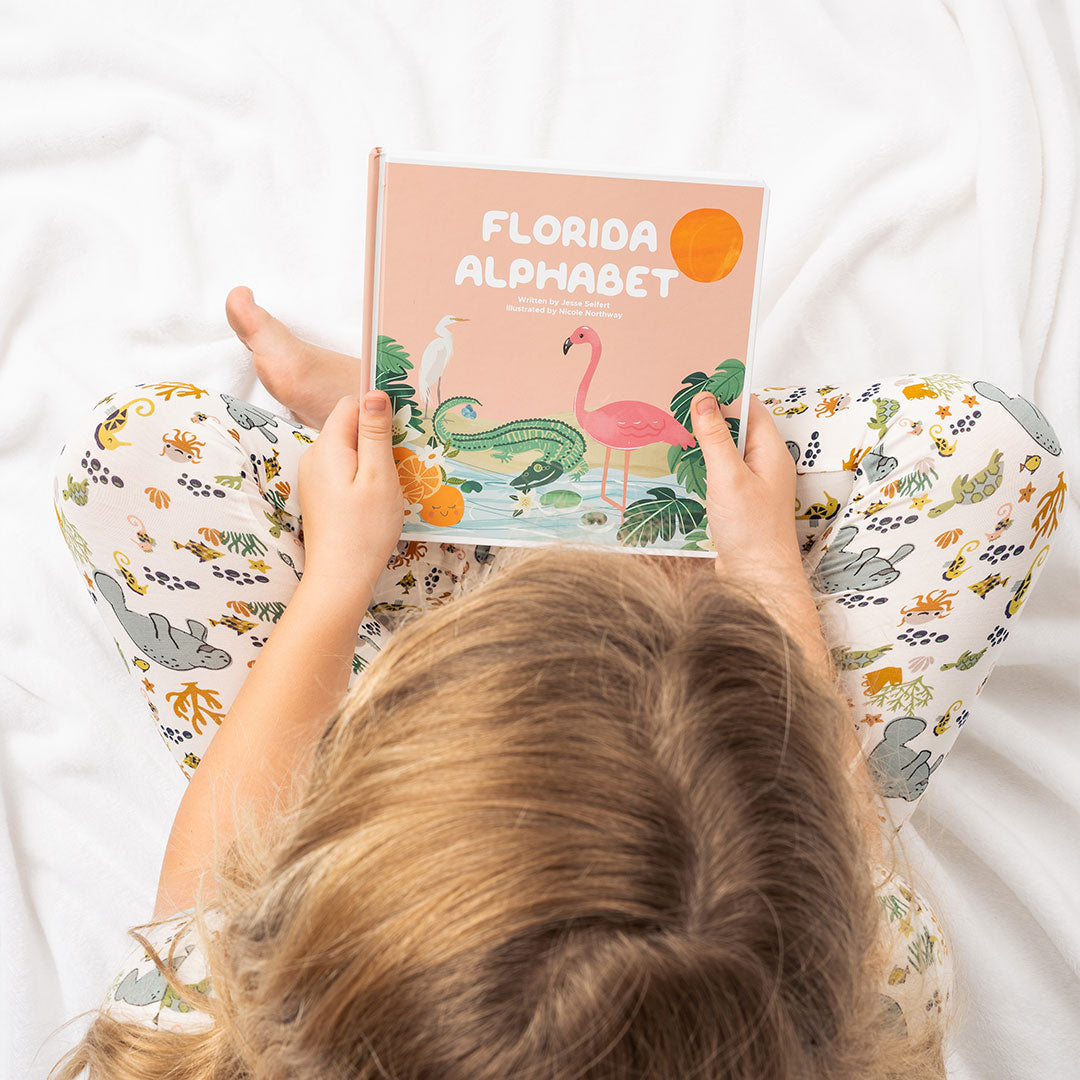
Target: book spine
[369,267]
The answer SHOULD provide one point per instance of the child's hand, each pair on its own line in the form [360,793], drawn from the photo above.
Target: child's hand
[350,498]
[750,503]
[751,508]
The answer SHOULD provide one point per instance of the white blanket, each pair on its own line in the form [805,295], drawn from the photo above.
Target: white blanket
[922,160]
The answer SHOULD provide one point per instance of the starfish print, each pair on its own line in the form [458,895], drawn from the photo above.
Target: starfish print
[872,718]
[971,401]
[148,686]
[1027,492]
[944,411]
[259,566]
[920,501]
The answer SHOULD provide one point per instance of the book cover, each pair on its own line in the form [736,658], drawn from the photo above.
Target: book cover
[541,330]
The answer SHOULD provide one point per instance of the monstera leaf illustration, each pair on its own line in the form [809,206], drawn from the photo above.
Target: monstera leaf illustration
[689,465]
[391,365]
[647,520]
[726,382]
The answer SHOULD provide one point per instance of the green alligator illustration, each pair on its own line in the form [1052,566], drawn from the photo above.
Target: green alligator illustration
[561,445]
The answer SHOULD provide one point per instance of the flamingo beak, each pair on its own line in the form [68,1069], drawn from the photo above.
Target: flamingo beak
[566,346]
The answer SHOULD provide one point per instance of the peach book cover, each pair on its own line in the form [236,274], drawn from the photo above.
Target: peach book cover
[541,330]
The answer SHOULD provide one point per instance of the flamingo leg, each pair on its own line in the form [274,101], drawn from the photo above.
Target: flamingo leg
[603,484]
[603,479]
[625,479]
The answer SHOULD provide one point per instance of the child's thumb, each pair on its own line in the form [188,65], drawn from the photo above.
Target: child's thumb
[711,429]
[375,418]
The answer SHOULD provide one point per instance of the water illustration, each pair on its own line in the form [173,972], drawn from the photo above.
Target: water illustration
[536,479]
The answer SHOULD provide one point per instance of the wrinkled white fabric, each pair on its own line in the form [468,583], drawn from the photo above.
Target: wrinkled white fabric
[921,159]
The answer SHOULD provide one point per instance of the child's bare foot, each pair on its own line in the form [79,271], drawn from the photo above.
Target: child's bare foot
[305,378]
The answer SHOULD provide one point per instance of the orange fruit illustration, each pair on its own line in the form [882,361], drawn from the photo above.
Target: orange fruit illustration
[706,244]
[418,481]
[445,507]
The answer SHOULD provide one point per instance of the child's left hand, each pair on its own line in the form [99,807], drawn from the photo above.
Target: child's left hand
[350,498]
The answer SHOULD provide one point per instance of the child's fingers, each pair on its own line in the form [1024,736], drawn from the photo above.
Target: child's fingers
[337,440]
[713,436]
[766,453]
[375,418]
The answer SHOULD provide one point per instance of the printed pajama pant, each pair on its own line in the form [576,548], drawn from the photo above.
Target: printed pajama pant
[925,505]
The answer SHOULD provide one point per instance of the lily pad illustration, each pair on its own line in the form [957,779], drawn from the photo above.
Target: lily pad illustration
[561,498]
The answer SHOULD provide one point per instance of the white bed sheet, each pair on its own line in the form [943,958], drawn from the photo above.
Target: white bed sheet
[922,160]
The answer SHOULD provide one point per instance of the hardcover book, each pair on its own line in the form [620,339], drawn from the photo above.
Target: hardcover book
[541,330]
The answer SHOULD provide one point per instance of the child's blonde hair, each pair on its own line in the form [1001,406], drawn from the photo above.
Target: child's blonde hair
[590,820]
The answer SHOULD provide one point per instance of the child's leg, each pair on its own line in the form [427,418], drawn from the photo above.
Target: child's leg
[926,505]
[180,507]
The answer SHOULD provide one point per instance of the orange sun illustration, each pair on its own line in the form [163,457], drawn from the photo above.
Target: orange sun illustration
[706,244]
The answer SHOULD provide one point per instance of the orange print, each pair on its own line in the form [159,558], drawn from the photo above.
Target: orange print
[1046,520]
[157,497]
[873,681]
[828,406]
[851,462]
[706,244]
[445,507]
[933,605]
[948,537]
[919,390]
[418,481]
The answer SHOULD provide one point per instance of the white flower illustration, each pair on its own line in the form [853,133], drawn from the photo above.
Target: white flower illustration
[412,511]
[400,422]
[432,456]
[526,501]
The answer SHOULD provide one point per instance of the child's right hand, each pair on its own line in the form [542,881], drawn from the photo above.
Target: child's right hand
[350,498]
[750,503]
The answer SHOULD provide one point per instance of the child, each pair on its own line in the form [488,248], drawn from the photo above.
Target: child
[605,816]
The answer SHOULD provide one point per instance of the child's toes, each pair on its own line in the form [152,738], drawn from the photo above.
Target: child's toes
[256,327]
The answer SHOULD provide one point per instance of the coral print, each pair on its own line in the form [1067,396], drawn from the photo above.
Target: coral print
[926,507]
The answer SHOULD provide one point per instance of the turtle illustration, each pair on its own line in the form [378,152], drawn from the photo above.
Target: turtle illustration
[849,660]
[973,489]
[967,660]
[76,490]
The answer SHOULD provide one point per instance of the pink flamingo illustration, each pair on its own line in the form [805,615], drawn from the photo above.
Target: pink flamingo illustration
[621,425]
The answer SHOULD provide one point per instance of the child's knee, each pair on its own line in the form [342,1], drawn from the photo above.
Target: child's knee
[134,435]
